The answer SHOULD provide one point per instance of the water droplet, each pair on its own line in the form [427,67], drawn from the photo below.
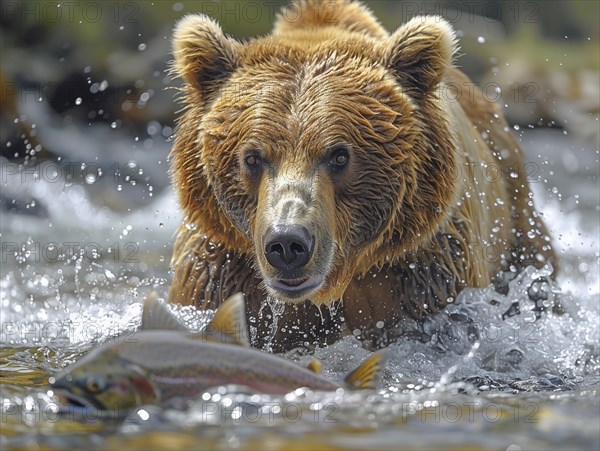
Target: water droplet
[480,39]
[78,101]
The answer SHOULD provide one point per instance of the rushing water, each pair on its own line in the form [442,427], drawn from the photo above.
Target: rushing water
[477,375]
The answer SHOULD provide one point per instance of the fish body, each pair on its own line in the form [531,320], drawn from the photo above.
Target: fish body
[154,366]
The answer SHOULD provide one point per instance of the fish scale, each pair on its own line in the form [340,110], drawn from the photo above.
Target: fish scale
[172,354]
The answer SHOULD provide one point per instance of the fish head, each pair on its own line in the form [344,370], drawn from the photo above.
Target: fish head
[105,381]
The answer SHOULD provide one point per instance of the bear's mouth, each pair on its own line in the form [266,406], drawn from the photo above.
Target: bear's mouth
[295,288]
[293,282]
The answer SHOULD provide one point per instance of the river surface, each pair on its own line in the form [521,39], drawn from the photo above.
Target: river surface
[478,376]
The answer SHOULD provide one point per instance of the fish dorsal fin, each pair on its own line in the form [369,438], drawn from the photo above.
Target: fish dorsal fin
[369,372]
[315,366]
[156,316]
[230,321]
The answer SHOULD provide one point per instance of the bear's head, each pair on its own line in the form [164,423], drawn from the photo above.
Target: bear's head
[322,150]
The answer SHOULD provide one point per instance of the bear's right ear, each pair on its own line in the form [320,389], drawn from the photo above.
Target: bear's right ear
[204,56]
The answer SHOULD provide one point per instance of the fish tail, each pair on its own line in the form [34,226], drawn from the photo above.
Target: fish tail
[368,373]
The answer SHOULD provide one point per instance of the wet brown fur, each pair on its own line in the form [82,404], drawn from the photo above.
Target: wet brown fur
[413,219]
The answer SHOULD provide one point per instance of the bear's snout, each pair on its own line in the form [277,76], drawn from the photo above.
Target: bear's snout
[292,237]
[288,247]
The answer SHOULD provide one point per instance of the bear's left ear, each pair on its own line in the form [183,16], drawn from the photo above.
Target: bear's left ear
[204,56]
[420,52]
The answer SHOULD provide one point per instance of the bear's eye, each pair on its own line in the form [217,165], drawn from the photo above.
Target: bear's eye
[251,160]
[252,164]
[339,157]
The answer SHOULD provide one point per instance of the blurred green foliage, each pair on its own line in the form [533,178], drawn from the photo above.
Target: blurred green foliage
[95,24]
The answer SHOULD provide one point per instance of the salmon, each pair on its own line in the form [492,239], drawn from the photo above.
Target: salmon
[164,361]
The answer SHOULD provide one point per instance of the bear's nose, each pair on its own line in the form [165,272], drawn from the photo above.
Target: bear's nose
[288,246]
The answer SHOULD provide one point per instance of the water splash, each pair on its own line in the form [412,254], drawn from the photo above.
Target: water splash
[277,308]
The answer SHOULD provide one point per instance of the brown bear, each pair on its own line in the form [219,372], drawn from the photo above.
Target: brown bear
[350,174]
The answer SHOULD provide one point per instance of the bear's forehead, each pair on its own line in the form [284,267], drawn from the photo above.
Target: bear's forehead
[283,95]
[297,81]
[312,50]
[299,75]
[281,117]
